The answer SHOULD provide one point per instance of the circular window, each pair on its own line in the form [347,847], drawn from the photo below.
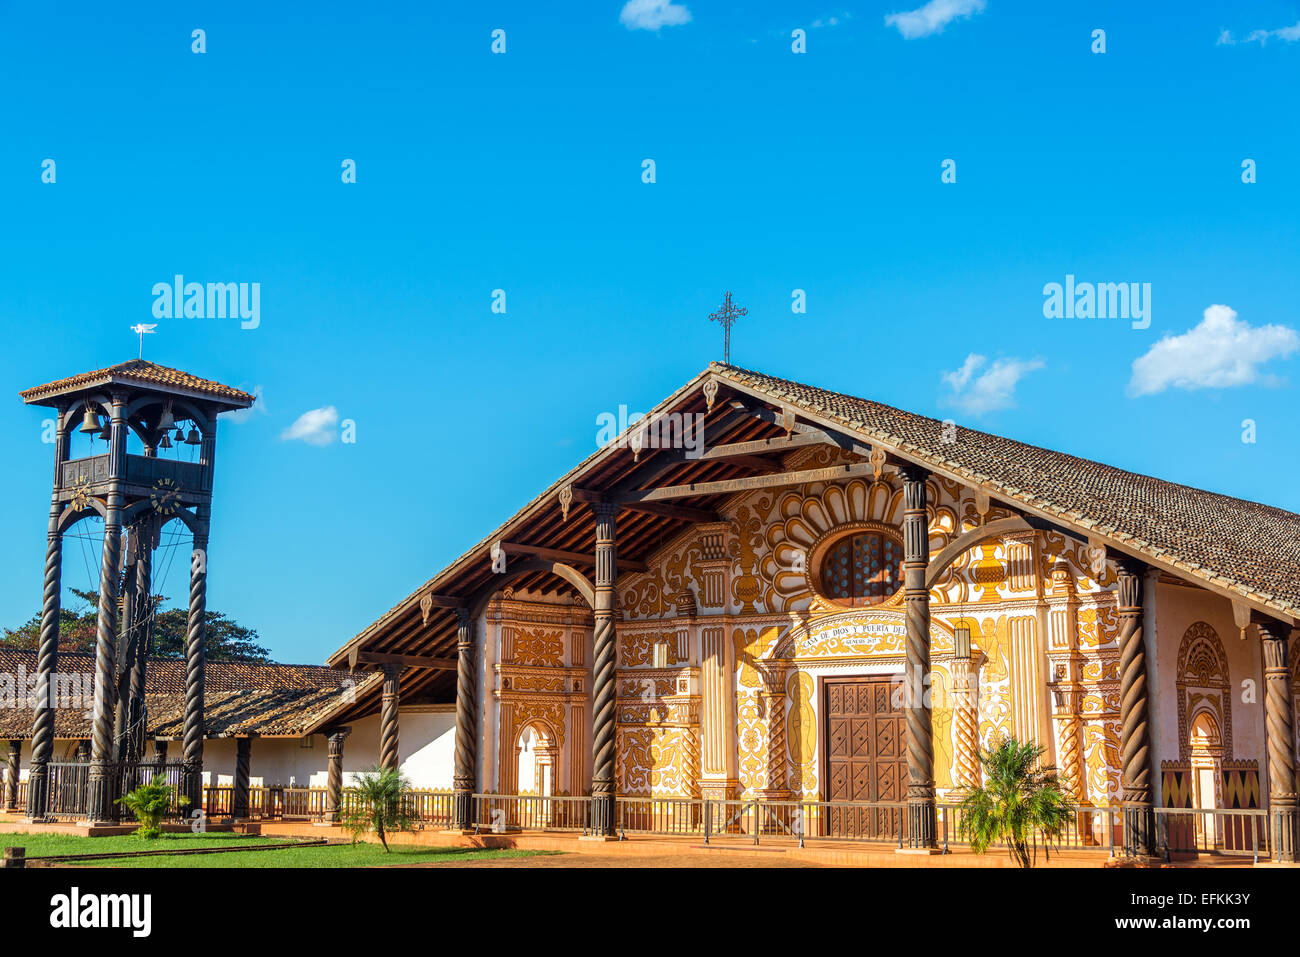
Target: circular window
[861,569]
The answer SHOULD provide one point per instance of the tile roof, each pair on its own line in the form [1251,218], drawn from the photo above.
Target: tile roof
[239,697]
[140,372]
[1247,547]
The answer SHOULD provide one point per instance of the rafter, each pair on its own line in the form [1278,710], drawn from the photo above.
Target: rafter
[729,486]
[561,555]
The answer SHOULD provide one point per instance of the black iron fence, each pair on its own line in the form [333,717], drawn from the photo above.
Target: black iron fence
[69,787]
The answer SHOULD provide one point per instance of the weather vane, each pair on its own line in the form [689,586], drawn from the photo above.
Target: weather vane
[727,315]
[142,329]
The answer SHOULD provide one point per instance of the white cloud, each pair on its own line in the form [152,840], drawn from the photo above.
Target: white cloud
[653,14]
[1219,353]
[933,17]
[239,416]
[315,427]
[831,21]
[993,388]
[1285,34]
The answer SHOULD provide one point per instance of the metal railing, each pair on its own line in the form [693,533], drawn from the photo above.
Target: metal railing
[69,787]
[278,803]
[500,813]
[1189,832]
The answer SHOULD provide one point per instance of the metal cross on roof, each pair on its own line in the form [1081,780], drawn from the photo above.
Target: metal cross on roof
[727,315]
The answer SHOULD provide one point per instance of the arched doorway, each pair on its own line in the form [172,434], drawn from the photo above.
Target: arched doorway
[1205,747]
[536,759]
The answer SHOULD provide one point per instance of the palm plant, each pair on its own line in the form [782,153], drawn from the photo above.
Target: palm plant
[1019,798]
[149,803]
[377,803]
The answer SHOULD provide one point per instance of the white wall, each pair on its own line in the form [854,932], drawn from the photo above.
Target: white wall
[426,743]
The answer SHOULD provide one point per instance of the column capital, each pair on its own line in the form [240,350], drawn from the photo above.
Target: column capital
[912,472]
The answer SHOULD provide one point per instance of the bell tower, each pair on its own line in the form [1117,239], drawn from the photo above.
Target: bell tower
[152,408]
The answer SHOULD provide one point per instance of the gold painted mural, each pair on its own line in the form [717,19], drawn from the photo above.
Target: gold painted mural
[751,691]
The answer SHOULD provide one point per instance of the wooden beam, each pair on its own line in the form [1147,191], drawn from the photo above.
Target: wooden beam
[847,442]
[685,513]
[445,601]
[729,486]
[560,555]
[664,460]
[766,446]
[407,661]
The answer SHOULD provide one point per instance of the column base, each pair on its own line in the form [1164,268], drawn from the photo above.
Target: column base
[924,851]
[598,838]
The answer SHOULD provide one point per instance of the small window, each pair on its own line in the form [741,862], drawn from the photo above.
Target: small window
[862,569]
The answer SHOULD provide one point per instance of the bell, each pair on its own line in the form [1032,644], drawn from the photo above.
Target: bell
[164,442]
[165,421]
[193,437]
[180,435]
[90,422]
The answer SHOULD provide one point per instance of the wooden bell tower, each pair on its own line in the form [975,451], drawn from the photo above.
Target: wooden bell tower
[136,493]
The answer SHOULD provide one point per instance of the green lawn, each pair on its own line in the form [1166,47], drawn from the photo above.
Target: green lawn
[334,855]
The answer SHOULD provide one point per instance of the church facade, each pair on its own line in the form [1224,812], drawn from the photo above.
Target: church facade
[823,600]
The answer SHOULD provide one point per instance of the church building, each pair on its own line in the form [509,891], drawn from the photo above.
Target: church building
[820,599]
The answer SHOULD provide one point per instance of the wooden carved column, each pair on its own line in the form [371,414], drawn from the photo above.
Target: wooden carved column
[196,665]
[137,724]
[47,665]
[921,824]
[966,764]
[197,628]
[127,648]
[11,775]
[1278,722]
[388,754]
[1067,690]
[1135,727]
[603,684]
[334,774]
[47,654]
[102,808]
[772,702]
[466,740]
[239,793]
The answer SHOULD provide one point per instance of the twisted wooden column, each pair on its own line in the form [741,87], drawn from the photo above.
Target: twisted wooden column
[127,647]
[388,754]
[966,720]
[47,665]
[1278,723]
[1135,726]
[921,830]
[137,723]
[603,685]
[196,664]
[11,775]
[334,777]
[462,782]
[1072,758]
[102,808]
[239,793]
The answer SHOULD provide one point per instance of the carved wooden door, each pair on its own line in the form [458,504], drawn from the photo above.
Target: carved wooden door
[866,757]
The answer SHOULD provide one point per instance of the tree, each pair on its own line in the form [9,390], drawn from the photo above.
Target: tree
[226,639]
[149,802]
[378,803]
[1019,797]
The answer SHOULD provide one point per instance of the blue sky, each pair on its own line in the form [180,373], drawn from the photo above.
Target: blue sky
[522,171]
